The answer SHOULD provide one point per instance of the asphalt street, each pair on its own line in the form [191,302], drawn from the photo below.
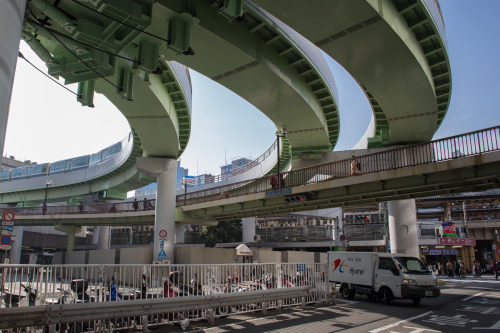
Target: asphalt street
[469,304]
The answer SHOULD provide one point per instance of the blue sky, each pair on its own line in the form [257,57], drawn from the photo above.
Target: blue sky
[46,123]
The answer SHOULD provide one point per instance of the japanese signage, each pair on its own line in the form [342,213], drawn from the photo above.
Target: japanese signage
[457,241]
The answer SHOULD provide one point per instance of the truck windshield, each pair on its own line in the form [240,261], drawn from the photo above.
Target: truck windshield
[411,265]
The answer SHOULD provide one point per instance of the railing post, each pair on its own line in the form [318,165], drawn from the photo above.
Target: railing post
[264,308]
[211,317]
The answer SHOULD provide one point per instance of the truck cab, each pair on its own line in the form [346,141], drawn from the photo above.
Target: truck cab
[402,276]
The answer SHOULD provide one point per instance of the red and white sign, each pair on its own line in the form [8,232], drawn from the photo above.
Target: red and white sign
[5,240]
[8,216]
[457,241]
[5,247]
[163,233]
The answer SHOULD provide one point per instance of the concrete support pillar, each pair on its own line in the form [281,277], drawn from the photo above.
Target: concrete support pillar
[16,245]
[180,233]
[11,22]
[71,231]
[104,237]
[403,227]
[248,229]
[165,171]
[95,235]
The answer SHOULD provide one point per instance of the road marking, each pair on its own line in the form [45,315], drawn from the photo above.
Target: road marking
[347,301]
[399,322]
[495,326]
[468,298]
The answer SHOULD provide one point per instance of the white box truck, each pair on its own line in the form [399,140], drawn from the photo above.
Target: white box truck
[383,276]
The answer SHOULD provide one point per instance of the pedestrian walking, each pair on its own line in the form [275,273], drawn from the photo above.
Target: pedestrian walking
[449,268]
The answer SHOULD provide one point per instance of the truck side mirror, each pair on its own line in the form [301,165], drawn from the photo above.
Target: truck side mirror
[395,271]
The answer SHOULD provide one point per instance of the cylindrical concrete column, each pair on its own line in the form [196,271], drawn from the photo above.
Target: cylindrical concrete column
[248,229]
[165,171]
[165,214]
[16,245]
[95,236]
[70,243]
[103,242]
[180,233]
[403,227]
[11,23]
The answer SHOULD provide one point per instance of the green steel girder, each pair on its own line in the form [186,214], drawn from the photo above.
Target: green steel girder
[428,36]
[85,49]
[269,47]
[306,69]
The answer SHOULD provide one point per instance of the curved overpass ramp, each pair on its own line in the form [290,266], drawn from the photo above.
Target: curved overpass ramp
[124,51]
[395,49]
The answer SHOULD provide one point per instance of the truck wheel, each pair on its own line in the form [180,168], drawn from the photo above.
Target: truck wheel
[387,296]
[416,300]
[346,292]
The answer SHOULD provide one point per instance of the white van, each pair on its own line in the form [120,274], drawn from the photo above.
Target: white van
[383,276]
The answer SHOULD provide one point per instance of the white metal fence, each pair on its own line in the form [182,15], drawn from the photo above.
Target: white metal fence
[115,297]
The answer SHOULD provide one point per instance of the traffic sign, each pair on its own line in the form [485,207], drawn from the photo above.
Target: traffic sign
[342,237]
[162,254]
[163,233]
[7,223]
[5,240]
[8,216]
[4,247]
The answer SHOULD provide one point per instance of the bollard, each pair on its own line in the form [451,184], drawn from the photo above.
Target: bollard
[144,323]
[211,317]
[264,308]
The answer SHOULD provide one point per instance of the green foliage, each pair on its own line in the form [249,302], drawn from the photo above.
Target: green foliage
[224,232]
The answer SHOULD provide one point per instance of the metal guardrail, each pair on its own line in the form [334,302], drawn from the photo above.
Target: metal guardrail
[69,313]
[88,295]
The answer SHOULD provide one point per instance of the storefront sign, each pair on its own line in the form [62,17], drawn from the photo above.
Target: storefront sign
[443,252]
[457,241]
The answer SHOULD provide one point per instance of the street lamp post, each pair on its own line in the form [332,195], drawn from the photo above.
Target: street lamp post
[498,243]
[184,182]
[47,184]
[279,134]
[467,234]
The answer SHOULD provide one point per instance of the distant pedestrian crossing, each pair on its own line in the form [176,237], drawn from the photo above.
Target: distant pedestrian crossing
[470,279]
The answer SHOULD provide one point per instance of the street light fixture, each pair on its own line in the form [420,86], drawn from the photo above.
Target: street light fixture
[47,184]
[184,182]
[279,134]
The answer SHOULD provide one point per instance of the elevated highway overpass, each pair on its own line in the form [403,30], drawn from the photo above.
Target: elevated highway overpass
[395,49]
[468,162]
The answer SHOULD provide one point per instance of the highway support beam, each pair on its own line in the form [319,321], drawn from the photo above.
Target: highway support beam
[71,231]
[165,171]
[403,231]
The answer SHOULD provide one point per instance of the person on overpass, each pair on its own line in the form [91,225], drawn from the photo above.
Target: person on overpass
[355,166]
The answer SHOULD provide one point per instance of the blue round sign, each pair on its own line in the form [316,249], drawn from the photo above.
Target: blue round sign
[5,240]
[342,237]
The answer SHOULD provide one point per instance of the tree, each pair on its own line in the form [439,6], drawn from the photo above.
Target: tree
[224,232]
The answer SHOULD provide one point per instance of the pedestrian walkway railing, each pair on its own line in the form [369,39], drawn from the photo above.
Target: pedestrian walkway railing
[465,145]
[86,296]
